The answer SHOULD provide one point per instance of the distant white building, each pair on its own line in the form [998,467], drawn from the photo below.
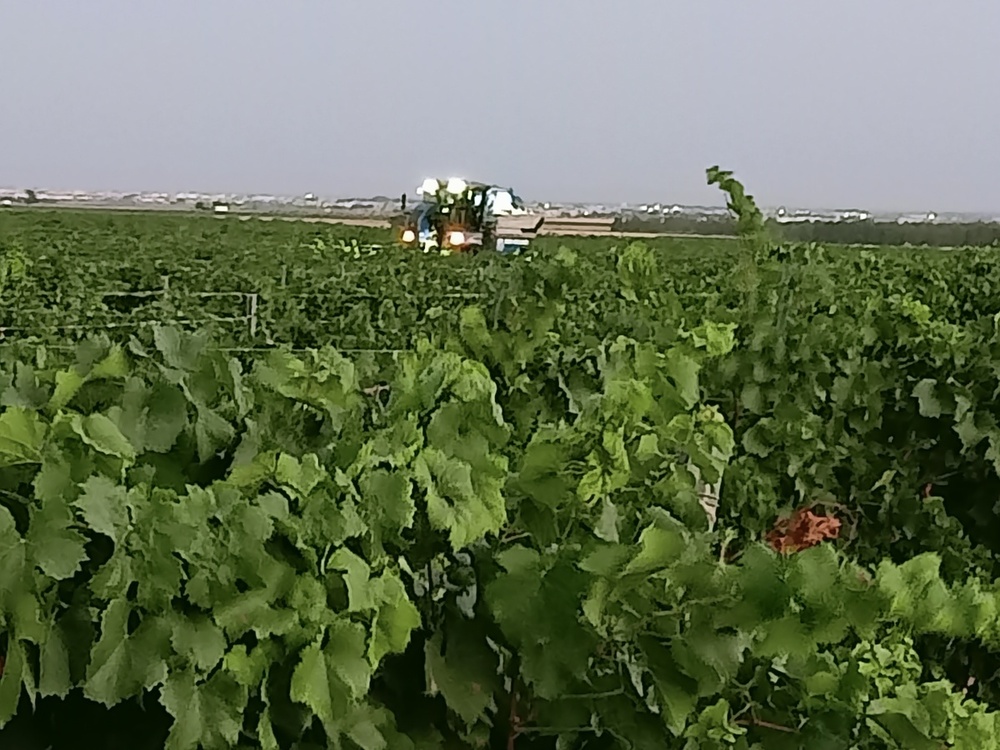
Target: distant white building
[854,215]
[917,218]
[60,197]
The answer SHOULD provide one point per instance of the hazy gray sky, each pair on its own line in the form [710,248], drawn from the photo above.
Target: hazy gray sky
[881,104]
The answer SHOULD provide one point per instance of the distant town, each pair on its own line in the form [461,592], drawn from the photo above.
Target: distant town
[382,206]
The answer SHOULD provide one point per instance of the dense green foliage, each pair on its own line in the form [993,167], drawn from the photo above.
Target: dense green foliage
[507,534]
[118,274]
[845,232]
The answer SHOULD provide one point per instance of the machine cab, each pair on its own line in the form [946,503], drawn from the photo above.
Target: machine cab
[503,202]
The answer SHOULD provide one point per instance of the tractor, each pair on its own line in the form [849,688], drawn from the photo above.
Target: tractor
[455,216]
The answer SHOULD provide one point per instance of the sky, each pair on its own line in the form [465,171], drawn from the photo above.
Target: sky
[873,104]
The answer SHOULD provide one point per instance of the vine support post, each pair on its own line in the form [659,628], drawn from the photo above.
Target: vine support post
[252,313]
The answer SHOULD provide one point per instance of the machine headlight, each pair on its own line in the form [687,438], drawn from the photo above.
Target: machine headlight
[456,186]
[409,235]
[456,238]
[429,187]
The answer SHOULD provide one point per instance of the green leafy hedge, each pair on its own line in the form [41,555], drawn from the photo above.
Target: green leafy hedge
[543,526]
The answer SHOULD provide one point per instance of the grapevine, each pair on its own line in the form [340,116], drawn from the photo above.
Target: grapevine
[624,496]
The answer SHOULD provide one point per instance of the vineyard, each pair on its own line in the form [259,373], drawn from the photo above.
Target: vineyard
[264,485]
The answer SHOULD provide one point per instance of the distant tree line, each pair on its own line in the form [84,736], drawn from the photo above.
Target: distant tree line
[830,232]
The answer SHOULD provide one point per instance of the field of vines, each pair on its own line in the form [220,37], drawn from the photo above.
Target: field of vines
[265,486]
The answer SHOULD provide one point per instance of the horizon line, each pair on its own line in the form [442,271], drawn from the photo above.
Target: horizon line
[310,195]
